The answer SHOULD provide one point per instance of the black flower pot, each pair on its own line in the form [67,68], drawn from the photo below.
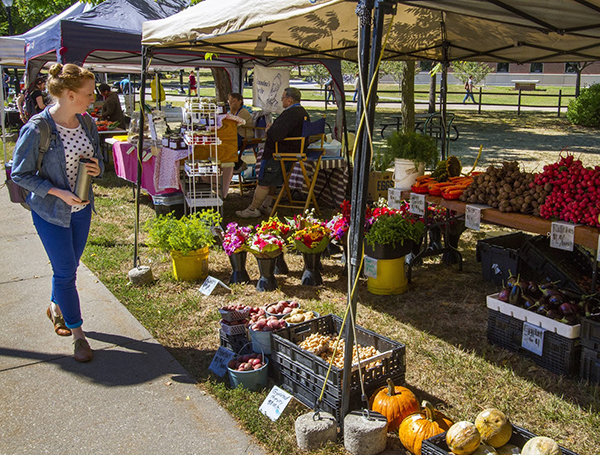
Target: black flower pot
[388,251]
[267,281]
[281,268]
[454,232]
[238,265]
[311,276]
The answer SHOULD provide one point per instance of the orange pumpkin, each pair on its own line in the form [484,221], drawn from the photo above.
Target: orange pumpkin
[395,403]
[422,425]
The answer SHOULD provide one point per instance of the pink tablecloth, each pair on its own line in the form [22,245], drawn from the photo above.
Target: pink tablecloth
[125,158]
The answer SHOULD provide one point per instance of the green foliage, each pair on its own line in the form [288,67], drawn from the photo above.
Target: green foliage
[394,229]
[319,74]
[190,233]
[381,160]
[349,70]
[415,147]
[585,109]
[479,70]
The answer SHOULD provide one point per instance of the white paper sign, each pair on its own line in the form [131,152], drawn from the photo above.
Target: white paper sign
[562,236]
[473,216]
[394,198]
[210,284]
[275,403]
[418,204]
[268,86]
[533,338]
[219,362]
[370,267]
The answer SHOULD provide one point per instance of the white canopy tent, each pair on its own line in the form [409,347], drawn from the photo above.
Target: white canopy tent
[442,30]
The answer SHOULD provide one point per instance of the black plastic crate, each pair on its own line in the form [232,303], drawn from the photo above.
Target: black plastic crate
[560,355]
[590,333]
[240,344]
[303,373]
[499,256]
[437,444]
[590,365]
[569,269]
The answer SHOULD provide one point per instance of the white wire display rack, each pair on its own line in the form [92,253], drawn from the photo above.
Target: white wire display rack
[201,188]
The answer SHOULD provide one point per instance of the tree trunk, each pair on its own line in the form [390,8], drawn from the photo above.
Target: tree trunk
[408,96]
[432,87]
[578,81]
[222,84]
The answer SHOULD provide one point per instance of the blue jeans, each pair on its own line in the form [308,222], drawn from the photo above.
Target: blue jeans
[469,95]
[64,247]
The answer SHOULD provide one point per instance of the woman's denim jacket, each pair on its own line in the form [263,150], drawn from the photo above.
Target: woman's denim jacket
[53,172]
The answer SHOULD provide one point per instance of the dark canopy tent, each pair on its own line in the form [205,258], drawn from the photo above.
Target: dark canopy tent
[442,30]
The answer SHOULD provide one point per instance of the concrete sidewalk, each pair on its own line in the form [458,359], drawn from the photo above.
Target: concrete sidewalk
[132,398]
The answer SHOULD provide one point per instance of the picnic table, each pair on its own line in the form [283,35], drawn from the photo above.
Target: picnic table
[525,84]
[395,120]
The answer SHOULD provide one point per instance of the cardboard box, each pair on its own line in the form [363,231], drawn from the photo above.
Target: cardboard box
[379,182]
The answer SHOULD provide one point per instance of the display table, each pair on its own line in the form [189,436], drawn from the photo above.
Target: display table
[125,160]
[586,236]
[332,180]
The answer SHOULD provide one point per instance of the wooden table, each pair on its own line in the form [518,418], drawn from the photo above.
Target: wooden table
[586,236]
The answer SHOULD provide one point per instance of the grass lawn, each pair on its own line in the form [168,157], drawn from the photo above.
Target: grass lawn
[442,319]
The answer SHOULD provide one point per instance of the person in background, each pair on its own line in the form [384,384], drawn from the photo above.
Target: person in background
[111,109]
[32,101]
[61,219]
[125,86]
[237,108]
[288,124]
[5,84]
[469,89]
[192,84]
[356,87]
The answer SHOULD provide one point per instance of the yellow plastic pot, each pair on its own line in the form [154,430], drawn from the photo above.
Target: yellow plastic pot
[390,279]
[192,266]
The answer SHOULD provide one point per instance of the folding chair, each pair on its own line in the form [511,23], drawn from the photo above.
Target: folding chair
[309,129]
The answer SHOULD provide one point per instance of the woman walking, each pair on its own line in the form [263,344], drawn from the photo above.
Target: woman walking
[61,218]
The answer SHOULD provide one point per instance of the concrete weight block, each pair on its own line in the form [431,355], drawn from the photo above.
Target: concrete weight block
[365,436]
[314,431]
[140,275]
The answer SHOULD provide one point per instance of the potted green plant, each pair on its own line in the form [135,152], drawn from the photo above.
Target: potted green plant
[187,240]
[410,153]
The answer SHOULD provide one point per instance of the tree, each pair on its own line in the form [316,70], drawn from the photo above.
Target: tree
[408,97]
[579,67]
[394,69]
[27,14]
[319,74]
[462,71]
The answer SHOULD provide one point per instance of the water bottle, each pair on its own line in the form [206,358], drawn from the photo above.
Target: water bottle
[82,185]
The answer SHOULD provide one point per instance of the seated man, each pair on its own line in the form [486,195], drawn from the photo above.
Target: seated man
[237,108]
[288,124]
[111,109]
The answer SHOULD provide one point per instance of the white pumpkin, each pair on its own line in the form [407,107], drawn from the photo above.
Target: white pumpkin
[541,445]
[494,427]
[508,449]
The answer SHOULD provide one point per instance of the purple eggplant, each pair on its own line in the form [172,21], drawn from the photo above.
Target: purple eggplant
[504,294]
[556,299]
[568,308]
[553,314]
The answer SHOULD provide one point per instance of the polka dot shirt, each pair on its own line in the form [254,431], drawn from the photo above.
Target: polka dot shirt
[76,145]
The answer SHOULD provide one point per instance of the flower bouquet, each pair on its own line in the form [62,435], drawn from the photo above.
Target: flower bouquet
[340,224]
[235,242]
[235,239]
[269,239]
[312,239]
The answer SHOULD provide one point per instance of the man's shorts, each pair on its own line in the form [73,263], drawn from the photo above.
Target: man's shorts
[270,172]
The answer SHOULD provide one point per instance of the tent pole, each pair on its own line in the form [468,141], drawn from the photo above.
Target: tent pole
[3,115]
[140,149]
[444,90]
[360,178]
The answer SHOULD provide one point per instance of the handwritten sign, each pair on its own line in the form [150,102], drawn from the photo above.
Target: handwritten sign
[210,284]
[219,362]
[152,127]
[395,198]
[473,216]
[417,204]
[275,403]
[533,338]
[370,267]
[562,236]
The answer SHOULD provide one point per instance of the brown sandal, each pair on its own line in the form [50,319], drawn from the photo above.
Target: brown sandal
[60,327]
[82,351]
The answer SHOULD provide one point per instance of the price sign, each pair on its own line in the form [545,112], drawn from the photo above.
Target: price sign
[473,216]
[275,403]
[533,338]
[562,236]
[417,203]
[219,362]
[370,267]
[395,198]
[210,284]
